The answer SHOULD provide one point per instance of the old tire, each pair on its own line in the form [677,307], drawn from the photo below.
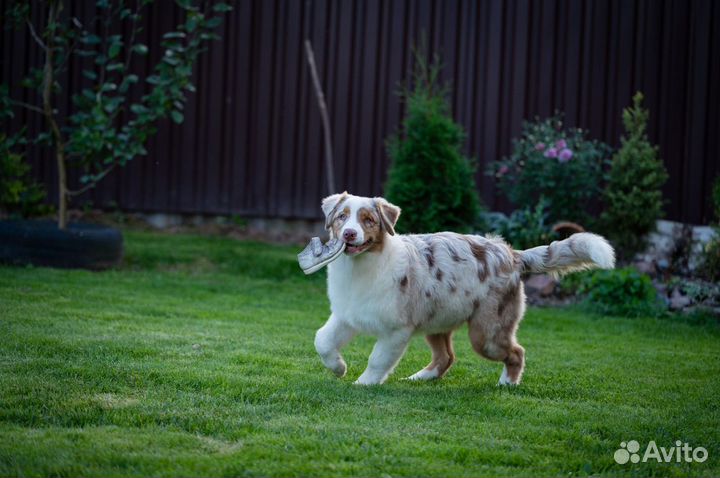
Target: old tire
[41,243]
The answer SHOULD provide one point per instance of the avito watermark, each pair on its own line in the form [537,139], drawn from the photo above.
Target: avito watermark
[681,452]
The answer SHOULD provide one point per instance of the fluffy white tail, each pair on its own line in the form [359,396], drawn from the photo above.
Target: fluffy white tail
[578,252]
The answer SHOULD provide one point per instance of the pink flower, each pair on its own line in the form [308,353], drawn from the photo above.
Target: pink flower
[551,153]
[565,155]
[560,144]
[503,170]
[539,146]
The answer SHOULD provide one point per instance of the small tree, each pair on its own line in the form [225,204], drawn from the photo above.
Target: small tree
[429,177]
[633,196]
[102,131]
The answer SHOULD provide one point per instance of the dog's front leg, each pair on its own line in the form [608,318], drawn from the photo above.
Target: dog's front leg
[384,357]
[329,339]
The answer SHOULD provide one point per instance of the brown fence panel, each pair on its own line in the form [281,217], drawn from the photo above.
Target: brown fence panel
[251,144]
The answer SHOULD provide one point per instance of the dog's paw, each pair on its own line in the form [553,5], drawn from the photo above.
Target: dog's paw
[365,380]
[424,374]
[505,379]
[340,369]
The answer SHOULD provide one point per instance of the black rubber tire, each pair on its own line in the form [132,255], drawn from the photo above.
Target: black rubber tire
[41,243]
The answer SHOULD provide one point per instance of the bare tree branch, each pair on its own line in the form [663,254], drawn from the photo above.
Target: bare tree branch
[92,183]
[325,119]
[34,34]
[28,106]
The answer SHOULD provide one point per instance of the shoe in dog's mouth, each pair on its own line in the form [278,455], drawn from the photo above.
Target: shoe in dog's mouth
[353,250]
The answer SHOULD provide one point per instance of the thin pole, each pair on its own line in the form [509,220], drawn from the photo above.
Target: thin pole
[325,119]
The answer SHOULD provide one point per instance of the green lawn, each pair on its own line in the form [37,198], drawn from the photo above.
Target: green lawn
[197,358]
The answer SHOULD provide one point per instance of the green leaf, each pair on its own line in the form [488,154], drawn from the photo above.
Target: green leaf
[213,22]
[171,35]
[115,66]
[90,39]
[222,7]
[138,109]
[140,49]
[90,74]
[177,116]
[114,50]
[171,60]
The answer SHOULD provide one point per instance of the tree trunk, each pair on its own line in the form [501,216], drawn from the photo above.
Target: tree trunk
[48,80]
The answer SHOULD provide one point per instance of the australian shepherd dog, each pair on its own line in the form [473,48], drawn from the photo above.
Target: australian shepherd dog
[394,286]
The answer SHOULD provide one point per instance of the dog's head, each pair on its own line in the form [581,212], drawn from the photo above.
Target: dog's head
[361,222]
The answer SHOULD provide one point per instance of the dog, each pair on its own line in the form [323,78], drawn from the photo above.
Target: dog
[395,286]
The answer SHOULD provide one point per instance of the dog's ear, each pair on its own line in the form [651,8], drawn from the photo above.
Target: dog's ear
[330,206]
[389,214]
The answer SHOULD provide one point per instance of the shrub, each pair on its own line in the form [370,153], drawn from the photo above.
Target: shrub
[710,266]
[623,292]
[429,177]
[20,195]
[633,198]
[524,228]
[558,164]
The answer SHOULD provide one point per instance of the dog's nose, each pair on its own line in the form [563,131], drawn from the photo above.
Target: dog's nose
[349,235]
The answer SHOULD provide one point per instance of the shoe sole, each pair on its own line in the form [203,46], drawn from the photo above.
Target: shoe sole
[326,261]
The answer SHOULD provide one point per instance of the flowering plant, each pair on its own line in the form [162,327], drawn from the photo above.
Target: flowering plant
[557,163]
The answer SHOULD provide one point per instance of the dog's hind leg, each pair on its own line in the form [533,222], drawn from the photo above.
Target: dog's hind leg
[442,357]
[329,339]
[492,334]
[385,355]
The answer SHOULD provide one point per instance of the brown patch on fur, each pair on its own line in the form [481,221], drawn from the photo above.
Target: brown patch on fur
[480,254]
[369,220]
[454,253]
[439,275]
[430,257]
[511,296]
[428,293]
[453,288]
[443,355]
[476,305]
[403,283]
[337,223]
[467,293]
[331,215]
[492,331]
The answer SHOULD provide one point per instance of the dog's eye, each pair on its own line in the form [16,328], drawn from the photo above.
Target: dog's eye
[369,222]
[342,216]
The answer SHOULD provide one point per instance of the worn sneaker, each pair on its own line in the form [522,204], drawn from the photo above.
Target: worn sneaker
[317,255]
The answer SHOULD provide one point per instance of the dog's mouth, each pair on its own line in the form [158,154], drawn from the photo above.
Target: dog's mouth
[352,250]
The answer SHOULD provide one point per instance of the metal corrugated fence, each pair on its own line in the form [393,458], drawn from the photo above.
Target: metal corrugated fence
[252,141]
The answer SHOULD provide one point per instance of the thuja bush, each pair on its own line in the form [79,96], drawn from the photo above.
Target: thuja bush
[558,163]
[633,196]
[429,177]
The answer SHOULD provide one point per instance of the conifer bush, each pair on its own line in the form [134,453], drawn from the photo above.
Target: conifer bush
[429,177]
[633,196]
